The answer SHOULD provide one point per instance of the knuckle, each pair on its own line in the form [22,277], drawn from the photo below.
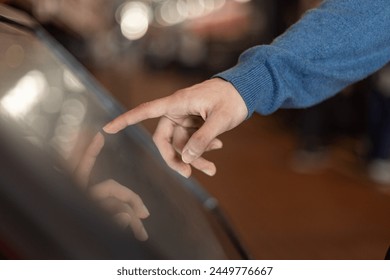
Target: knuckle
[109,182]
[156,138]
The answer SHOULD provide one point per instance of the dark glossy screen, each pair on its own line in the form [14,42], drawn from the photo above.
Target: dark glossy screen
[53,106]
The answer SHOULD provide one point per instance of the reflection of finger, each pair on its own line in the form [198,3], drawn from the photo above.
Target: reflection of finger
[148,110]
[122,220]
[163,139]
[114,205]
[136,225]
[88,160]
[125,216]
[111,188]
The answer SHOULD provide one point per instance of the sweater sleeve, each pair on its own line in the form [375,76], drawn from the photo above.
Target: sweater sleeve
[339,43]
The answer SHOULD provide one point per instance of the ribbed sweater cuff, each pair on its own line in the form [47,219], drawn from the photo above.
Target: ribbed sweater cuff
[257,95]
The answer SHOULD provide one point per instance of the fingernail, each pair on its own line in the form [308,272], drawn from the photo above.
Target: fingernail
[182,173]
[209,172]
[107,128]
[188,156]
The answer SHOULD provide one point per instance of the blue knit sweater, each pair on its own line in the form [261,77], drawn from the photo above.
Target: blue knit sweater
[340,42]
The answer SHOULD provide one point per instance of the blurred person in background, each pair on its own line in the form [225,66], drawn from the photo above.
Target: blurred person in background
[331,47]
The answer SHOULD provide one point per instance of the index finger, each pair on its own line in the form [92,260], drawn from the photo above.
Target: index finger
[148,110]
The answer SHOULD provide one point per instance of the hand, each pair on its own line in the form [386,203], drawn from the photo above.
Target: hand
[127,207]
[191,119]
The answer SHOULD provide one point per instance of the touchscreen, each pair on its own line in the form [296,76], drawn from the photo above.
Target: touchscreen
[46,101]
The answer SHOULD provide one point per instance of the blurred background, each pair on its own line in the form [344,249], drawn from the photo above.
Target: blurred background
[300,184]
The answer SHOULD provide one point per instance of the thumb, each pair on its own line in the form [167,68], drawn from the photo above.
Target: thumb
[201,139]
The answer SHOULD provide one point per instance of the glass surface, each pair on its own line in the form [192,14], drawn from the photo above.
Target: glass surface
[45,102]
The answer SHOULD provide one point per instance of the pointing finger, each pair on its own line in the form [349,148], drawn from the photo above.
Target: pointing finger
[148,110]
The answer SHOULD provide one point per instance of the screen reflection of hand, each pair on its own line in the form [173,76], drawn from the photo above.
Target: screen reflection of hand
[126,206]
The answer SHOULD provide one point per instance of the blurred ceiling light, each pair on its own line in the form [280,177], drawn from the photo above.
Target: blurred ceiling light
[64,139]
[73,112]
[27,92]
[71,82]
[195,8]
[169,13]
[182,8]
[173,12]
[208,5]
[68,126]
[218,4]
[134,18]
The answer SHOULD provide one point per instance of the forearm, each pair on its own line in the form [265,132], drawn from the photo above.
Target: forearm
[329,48]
